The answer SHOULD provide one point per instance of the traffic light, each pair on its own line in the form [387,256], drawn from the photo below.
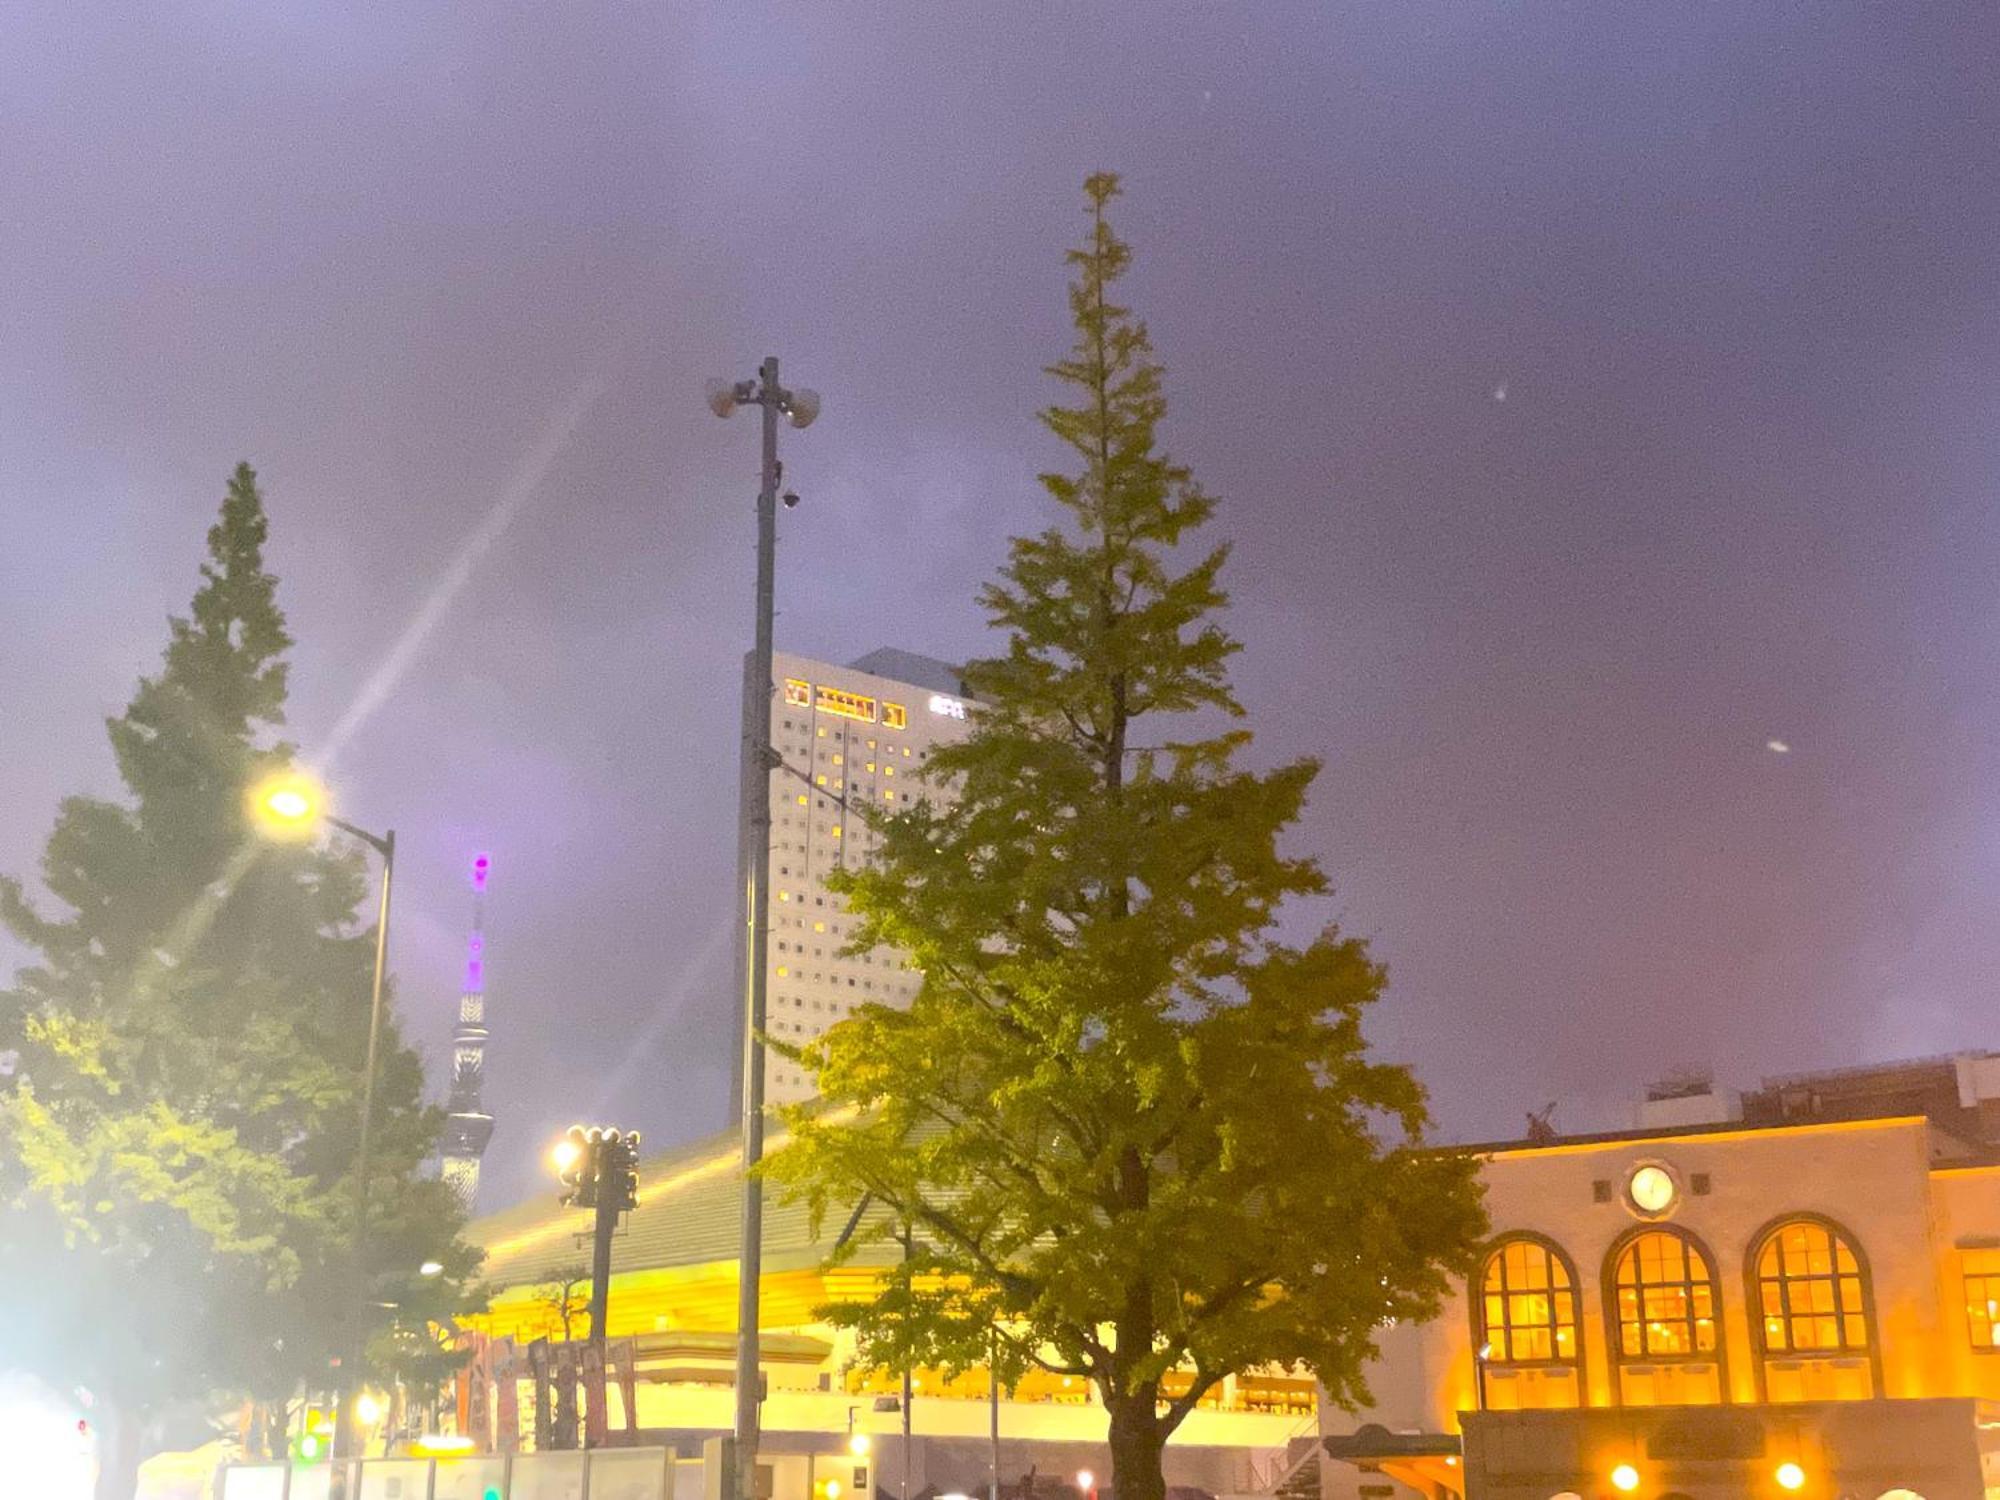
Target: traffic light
[620,1173]
[314,1444]
[591,1163]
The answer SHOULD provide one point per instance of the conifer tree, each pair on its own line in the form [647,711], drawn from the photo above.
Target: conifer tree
[1125,1124]
[176,1140]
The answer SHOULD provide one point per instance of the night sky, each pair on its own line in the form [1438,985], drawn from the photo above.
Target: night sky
[1596,393]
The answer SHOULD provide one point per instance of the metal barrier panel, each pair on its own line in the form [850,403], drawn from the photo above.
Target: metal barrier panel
[470,1479]
[313,1482]
[548,1476]
[395,1479]
[253,1482]
[631,1474]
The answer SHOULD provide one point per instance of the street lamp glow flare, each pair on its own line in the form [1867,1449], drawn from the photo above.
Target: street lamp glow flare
[289,804]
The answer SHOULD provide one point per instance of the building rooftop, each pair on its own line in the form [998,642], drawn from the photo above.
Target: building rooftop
[688,1215]
[908,666]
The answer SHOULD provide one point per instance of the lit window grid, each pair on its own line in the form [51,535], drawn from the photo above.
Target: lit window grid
[1981,1269]
[1666,1299]
[1809,1291]
[1528,1306]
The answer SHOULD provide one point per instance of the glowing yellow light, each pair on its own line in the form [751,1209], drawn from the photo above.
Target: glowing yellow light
[1625,1478]
[859,1444]
[1085,1479]
[368,1409]
[441,1445]
[1790,1477]
[833,1489]
[289,804]
[565,1153]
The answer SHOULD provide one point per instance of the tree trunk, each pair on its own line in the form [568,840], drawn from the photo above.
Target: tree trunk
[1137,1444]
[117,1454]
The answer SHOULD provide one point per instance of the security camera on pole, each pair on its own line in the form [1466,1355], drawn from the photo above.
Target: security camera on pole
[799,407]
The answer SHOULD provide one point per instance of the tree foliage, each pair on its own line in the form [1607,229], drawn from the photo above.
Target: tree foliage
[177,1141]
[1124,1121]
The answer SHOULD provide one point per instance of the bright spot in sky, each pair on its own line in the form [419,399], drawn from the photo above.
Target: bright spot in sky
[1777,747]
[1500,392]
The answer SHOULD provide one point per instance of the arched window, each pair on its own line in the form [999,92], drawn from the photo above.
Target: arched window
[1668,1344]
[1814,1326]
[1526,1332]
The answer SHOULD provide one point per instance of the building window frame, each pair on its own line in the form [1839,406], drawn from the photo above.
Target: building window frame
[1482,1331]
[1754,1279]
[1966,1277]
[1693,1248]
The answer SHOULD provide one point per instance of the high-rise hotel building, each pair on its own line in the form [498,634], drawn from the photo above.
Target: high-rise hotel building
[846,738]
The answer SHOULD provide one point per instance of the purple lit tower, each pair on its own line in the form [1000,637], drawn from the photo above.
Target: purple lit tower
[468,1127]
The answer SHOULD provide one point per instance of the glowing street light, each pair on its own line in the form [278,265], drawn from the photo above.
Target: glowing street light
[1625,1478]
[1790,1476]
[859,1444]
[368,1408]
[565,1154]
[1085,1481]
[290,805]
[431,1268]
[287,805]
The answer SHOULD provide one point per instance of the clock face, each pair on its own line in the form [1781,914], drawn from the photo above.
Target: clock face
[1651,1190]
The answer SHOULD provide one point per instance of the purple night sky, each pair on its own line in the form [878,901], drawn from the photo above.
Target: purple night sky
[1596,394]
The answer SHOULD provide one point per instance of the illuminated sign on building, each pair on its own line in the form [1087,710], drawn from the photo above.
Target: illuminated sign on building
[798,694]
[846,705]
[895,716]
[951,708]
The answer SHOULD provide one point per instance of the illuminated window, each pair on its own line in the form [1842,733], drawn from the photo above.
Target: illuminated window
[895,716]
[783,972]
[1669,1324]
[888,796]
[836,830]
[802,799]
[836,757]
[846,705]
[1526,1329]
[820,780]
[797,694]
[1982,1296]
[1813,1315]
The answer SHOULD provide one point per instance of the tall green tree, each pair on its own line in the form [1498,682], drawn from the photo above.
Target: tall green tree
[1126,1123]
[177,1139]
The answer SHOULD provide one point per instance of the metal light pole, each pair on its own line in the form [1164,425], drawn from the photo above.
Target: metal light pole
[291,805]
[350,1385]
[800,407]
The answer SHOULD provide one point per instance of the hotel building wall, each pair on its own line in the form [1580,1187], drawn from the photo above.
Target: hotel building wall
[850,742]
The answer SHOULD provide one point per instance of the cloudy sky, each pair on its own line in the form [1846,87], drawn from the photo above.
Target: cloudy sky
[1596,394]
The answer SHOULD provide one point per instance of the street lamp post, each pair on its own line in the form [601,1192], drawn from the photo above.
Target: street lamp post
[800,407]
[290,805]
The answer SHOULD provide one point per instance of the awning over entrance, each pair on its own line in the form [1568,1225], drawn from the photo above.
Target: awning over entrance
[1428,1462]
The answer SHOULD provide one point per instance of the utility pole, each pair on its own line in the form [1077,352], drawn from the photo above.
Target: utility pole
[800,407]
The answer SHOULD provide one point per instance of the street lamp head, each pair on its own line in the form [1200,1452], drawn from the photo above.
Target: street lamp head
[859,1444]
[431,1268]
[287,805]
[567,1152]
[1085,1479]
[804,408]
[721,397]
